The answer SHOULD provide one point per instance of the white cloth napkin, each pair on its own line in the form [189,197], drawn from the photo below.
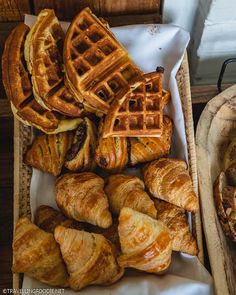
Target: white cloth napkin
[150,46]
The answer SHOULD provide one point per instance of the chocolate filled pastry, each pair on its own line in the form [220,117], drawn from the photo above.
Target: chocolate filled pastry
[128,191]
[145,149]
[81,155]
[90,258]
[48,218]
[47,152]
[81,196]
[37,254]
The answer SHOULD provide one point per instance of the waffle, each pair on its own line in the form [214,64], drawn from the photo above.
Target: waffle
[97,66]
[44,61]
[19,89]
[140,112]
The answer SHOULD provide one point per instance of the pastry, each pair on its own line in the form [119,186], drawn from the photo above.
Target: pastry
[81,196]
[47,153]
[176,220]
[169,180]
[37,254]
[48,218]
[138,113]
[128,191]
[112,153]
[43,54]
[145,242]
[110,233]
[98,68]
[145,149]
[81,154]
[90,258]
[225,201]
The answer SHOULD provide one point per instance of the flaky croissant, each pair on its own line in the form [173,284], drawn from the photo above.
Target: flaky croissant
[169,180]
[37,254]
[90,258]
[48,152]
[81,196]
[48,218]
[175,219]
[128,191]
[145,242]
[80,156]
[145,149]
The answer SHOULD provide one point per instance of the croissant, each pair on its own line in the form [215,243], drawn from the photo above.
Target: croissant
[48,218]
[128,191]
[37,254]
[81,196]
[90,258]
[168,179]
[145,149]
[110,233]
[145,242]
[80,156]
[48,152]
[175,219]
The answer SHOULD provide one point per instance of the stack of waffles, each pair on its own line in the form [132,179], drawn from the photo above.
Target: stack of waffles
[52,86]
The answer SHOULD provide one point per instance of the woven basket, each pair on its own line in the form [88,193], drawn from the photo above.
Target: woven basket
[22,172]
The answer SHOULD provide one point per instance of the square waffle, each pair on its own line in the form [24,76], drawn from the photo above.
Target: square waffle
[43,53]
[97,66]
[18,88]
[138,113]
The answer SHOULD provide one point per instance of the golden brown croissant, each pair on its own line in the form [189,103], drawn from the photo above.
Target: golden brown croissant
[145,149]
[128,191]
[47,152]
[145,242]
[112,153]
[37,254]
[90,258]
[80,156]
[168,179]
[81,196]
[48,218]
[110,233]
[175,219]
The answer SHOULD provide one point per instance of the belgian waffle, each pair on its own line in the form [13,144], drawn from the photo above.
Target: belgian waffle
[44,60]
[140,112]
[19,89]
[97,66]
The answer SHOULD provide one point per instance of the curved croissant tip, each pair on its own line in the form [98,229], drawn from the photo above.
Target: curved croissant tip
[160,70]
[58,231]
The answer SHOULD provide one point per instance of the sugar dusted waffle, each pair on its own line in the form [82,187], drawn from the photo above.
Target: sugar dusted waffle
[43,53]
[18,88]
[139,113]
[97,67]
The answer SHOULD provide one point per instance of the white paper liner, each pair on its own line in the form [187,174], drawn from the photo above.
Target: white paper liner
[149,46]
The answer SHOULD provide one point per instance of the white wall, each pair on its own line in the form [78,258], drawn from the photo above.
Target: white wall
[212,25]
